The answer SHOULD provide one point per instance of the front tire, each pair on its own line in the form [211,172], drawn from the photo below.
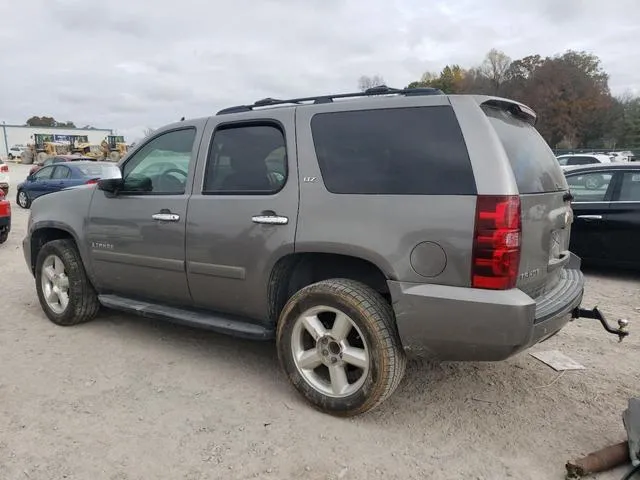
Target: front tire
[4,235]
[22,199]
[65,293]
[339,346]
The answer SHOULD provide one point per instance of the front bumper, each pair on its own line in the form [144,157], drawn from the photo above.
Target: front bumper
[5,224]
[457,323]
[26,251]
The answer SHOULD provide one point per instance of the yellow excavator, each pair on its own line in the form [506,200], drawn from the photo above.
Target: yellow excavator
[114,147]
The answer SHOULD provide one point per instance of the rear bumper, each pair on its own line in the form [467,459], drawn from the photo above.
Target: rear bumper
[4,187]
[457,323]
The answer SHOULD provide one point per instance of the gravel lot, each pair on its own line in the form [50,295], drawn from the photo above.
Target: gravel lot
[128,398]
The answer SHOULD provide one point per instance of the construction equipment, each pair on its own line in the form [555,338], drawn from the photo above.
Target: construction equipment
[114,147]
[79,144]
[42,147]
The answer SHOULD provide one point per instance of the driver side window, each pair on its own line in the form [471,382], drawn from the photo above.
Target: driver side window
[162,165]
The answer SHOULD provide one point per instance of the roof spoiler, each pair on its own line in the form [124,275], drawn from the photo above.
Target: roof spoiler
[517,109]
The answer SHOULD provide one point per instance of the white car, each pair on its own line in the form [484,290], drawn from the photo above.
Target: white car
[572,159]
[626,156]
[15,151]
[4,177]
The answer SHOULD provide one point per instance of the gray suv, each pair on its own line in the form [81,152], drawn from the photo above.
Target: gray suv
[346,227]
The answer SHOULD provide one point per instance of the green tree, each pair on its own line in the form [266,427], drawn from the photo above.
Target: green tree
[45,121]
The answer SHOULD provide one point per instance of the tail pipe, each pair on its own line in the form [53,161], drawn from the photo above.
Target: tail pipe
[595,314]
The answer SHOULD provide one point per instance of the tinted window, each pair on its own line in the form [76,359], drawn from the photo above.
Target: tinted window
[162,165]
[61,172]
[402,151]
[630,188]
[535,167]
[582,161]
[246,159]
[43,173]
[589,187]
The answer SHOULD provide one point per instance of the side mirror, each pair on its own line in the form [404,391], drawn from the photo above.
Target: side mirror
[110,185]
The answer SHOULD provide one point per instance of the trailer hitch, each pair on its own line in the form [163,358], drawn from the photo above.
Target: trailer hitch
[596,314]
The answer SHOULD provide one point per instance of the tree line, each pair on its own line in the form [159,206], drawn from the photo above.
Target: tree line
[569,92]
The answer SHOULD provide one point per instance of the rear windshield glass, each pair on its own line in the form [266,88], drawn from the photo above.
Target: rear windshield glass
[535,167]
[398,151]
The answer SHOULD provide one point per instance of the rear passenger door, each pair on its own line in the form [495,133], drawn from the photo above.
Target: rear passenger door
[623,219]
[243,212]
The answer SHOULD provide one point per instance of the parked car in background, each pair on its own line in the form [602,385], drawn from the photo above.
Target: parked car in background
[583,159]
[345,230]
[60,159]
[625,156]
[56,177]
[5,217]
[16,151]
[4,177]
[606,207]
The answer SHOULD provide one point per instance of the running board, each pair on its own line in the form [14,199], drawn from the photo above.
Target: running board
[217,322]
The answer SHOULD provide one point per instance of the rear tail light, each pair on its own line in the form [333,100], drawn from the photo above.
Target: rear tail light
[4,168]
[5,207]
[496,242]
[92,181]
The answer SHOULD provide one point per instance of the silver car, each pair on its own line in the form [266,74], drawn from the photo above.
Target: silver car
[346,227]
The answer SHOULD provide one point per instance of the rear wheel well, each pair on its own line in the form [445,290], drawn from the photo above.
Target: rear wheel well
[296,271]
[43,236]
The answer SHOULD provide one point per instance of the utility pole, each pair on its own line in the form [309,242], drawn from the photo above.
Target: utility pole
[4,135]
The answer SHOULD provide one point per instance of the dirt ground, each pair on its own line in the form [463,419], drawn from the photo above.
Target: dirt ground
[128,398]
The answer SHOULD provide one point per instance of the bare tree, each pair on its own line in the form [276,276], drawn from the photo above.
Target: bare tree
[365,82]
[495,67]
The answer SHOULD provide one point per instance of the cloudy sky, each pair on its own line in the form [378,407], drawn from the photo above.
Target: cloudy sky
[133,64]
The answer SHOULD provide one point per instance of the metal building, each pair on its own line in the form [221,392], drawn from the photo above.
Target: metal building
[11,135]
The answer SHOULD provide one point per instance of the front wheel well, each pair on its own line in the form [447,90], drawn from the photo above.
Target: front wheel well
[294,272]
[43,236]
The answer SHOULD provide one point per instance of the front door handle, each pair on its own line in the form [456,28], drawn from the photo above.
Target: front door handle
[166,217]
[269,217]
[590,217]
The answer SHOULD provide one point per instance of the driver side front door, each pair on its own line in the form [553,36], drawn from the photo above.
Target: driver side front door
[137,237]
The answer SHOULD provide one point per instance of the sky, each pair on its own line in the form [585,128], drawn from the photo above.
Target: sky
[137,64]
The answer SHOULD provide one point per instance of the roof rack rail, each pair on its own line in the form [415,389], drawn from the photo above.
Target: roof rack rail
[379,90]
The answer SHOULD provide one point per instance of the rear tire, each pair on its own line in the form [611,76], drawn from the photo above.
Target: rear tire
[22,199]
[114,157]
[354,359]
[65,293]
[27,157]
[42,157]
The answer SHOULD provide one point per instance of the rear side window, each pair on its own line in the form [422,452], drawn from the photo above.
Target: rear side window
[535,167]
[582,161]
[399,151]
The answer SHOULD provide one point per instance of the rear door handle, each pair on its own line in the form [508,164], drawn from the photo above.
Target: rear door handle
[166,217]
[270,217]
[590,217]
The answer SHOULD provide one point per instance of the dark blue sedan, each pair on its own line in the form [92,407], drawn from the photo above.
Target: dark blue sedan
[56,177]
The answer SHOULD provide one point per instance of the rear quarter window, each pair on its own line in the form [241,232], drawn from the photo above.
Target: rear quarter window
[399,151]
[534,165]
